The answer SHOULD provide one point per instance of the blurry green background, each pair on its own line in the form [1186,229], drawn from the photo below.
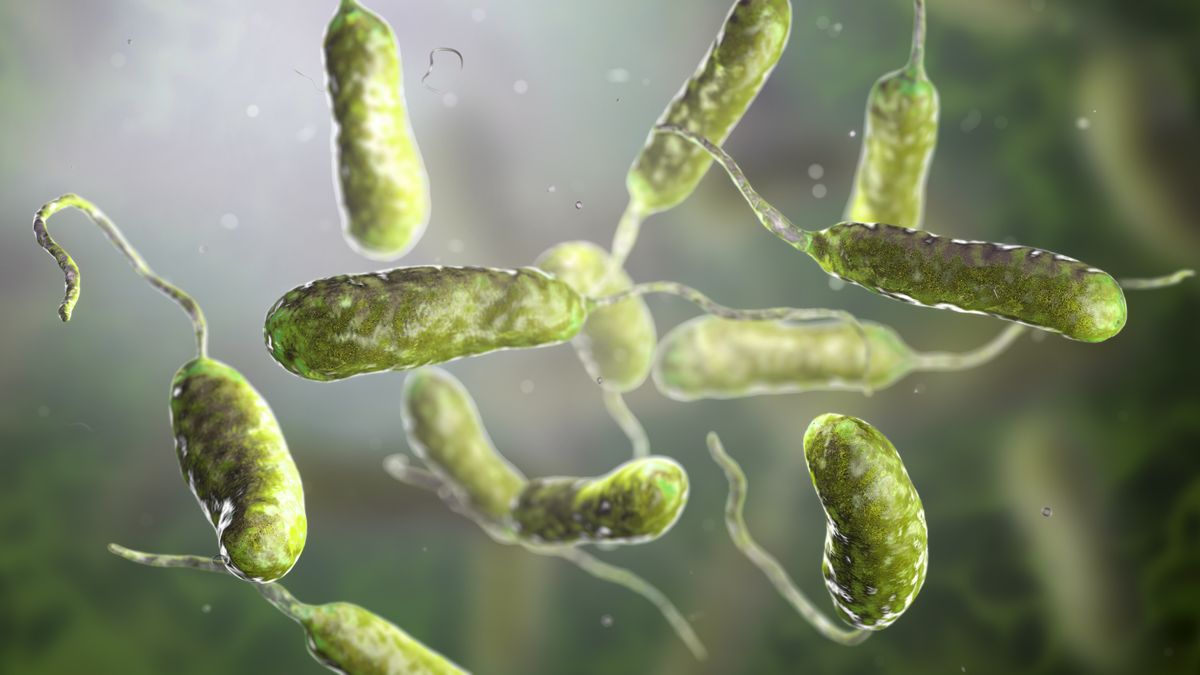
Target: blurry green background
[203,130]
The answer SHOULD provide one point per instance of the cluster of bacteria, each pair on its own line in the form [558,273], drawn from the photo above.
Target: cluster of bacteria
[235,460]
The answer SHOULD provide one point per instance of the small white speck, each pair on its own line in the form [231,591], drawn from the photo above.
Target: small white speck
[43,411]
[919,389]
[478,14]
[455,245]
[599,380]
[206,608]
[203,249]
[1083,123]
[520,86]
[229,221]
[526,386]
[853,133]
[117,60]
[449,99]
[818,191]
[835,30]
[578,205]
[815,171]
[251,111]
[618,75]
[551,189]
[606,621]
[306,133]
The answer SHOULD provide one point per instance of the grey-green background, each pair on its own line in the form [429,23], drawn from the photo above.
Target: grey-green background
[145,107]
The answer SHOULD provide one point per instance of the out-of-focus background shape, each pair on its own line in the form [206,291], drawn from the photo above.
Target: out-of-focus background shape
[202,129]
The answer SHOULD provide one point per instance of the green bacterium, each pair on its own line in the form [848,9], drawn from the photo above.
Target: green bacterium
[711,103]
[616,344]
[710,357]
[899,136]
[399,319]
[1007,281]
[637,502]
[876,540]
[341,636]
[383,184]
[231,450]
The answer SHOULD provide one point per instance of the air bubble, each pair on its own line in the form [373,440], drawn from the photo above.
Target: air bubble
[306,133]
[578,205]
[1047,511]
[599,380]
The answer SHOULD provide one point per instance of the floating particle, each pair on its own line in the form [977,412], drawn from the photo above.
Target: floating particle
[853,133]
[618,75]
[306,133]
[229,221]
[606,620]
[971,121]
[822,23]
[816,171]
[1083,123]
[551,189]
[818,191]
[206,608]
[835,30]
[836,284]
[252,111]
[526,386]
[455,245]
[1047,511]
[520,86]
[449,99]
[578,205]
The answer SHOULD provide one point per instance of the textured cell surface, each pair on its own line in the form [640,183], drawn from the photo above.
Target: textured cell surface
[637,501]
[899,136]
[234,458]
[445,431]
[348,325]
[712,357]
[352,640]
[383,184]
[1018,283]
[711,103]
[876,541]
[616,344]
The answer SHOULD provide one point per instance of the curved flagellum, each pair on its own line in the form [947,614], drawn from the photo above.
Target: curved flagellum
[235,460]
[347,325]
[383,185]
[635,502]
[876,541]
[446,432]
